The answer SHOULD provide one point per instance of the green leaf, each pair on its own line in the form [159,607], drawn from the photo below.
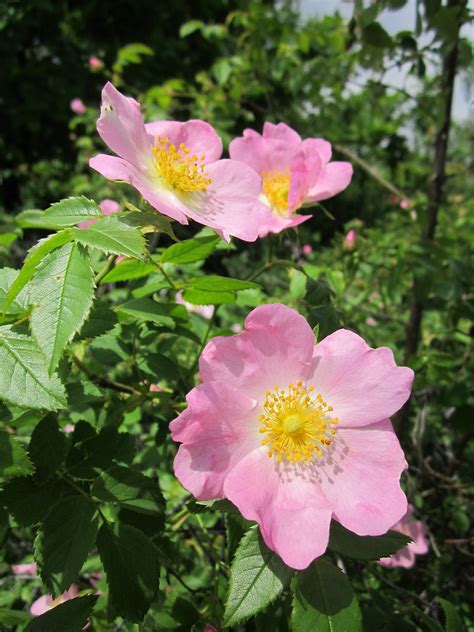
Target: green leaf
[48,447]
[190,250]
[190,27]
[71,615]
[257,577]
[34,257]
[365,547]
[32,218]
[101,320]
[12,618]
[112,234]
[67,535]
[149,220]
[375,35]
[14,460]
[131,565]
[71,211]
[201,297]
[128,270]
[62,293]
[27,501]
[214,283]
[24,378]
[324,601]
[19,305]
[129,489]
[148,310]
[453,620]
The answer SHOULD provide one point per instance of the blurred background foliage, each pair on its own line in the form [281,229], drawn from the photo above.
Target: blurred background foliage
[237,63]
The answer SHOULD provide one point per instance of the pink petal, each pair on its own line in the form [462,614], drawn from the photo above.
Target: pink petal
[161,199]
[362,384]
[274,349]
[218,428]
[305,169]
[334,178]
[122,128]
[200,137]
[276,223]
[108,206]
[292,513]
[361,478]
[283,133]
[321,147]
[262,154]
[420,544]
[230,204]
[41,605]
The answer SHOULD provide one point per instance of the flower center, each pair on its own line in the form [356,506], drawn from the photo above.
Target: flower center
[276,187]
[179,168]
[297,423]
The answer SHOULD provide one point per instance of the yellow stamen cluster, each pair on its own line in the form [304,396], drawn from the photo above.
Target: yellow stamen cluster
[297,423]
[179,168]
[276,187]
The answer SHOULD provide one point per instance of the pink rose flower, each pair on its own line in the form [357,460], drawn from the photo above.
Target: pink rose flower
[24,569]
[350,239]
[77,106]
[46,602]
[176,167]
[206,311]
[405,203]
[307,249]
[95,63]
[107,207]
[294,172]
[415,529]
[370,321]
[296,434]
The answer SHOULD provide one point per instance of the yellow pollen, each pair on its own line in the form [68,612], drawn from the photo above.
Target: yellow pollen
[179,168]
[276,186]
[297,426]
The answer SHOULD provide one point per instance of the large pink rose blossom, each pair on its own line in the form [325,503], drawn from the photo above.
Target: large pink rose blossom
[47,602]
[107,207]
[415,529]
[296,434]
[176,167]
[294,172]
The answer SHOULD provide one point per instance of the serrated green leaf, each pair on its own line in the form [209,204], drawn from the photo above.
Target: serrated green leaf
[19,305]
[34,257]
[14,460]
[101,320]
[71,615]
[129,489]
[67,535]
[112,235]
[190,250]
[24,378]
[367,547]
[453,622]
[214,283]
[47,448]
[32,218]
[131,564]
[28,501]
[257,577]
[325,601]
[128,270]
[62,293]
[149,220]
[71,211]
[149,310]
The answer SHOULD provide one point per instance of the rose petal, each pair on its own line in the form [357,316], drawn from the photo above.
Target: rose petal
[198,136]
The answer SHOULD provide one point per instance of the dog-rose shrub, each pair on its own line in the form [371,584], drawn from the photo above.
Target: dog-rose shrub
[286,441]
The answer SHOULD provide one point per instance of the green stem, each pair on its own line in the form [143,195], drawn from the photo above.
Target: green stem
[109,264]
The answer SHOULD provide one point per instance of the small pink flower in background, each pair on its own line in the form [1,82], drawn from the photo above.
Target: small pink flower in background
[24,569]
[295,434]
[405,203]
[236,328]
[209,628]
[294,172]
[176,167]
[415,529]
[107,207]
[68,428]
[371,322]
[95,63]
[205,311]
[350,239]
[47,602]
[307,249]
[154,388]
[77,106]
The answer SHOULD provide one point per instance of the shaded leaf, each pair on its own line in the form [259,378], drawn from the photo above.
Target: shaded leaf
[28,501]
[190,250]
[365,547]
[14,460]
[47,447]
[71,616]
[149,310]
